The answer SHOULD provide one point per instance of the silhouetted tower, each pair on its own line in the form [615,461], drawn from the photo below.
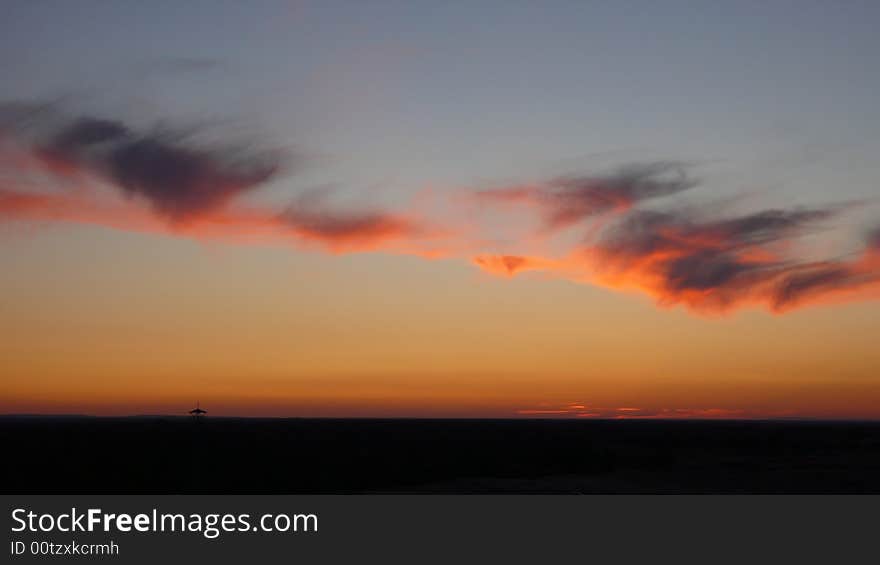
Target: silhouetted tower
[197,412]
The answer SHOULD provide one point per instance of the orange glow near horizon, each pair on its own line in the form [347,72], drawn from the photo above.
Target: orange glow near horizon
[140,324]
[119,308]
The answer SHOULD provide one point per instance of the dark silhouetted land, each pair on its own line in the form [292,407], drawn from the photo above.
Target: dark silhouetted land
[227,455]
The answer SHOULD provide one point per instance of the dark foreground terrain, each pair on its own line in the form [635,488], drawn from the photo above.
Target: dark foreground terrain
[178,455]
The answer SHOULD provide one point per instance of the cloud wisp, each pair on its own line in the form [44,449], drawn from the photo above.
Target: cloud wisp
[685,255]
[619,230]
[716,264]
[565,201]
[190,187]
[179,178]
[582,410]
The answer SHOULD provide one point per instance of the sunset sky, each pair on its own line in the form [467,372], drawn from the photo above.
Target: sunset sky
[441,209]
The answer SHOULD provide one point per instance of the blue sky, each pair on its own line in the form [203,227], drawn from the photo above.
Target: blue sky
[403,94]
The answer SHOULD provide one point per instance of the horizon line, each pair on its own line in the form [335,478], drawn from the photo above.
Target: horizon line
[487,418]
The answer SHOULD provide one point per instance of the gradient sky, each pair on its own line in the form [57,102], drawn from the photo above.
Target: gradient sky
[575,209]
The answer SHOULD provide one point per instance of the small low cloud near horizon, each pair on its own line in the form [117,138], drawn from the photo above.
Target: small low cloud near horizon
[285,206]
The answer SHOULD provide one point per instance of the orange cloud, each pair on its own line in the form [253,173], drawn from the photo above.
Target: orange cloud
[97,171]
[238,225]
[104,172]
[720,264]
[710,265]
[509,265]
[632,413]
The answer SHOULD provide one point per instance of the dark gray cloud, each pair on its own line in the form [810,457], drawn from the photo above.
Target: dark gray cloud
[873,239]
[706,270]
[567,200]
[644,232]
[806,281]
[718,262]
[85,132]
[177,176]
[767,226]
[340,227]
